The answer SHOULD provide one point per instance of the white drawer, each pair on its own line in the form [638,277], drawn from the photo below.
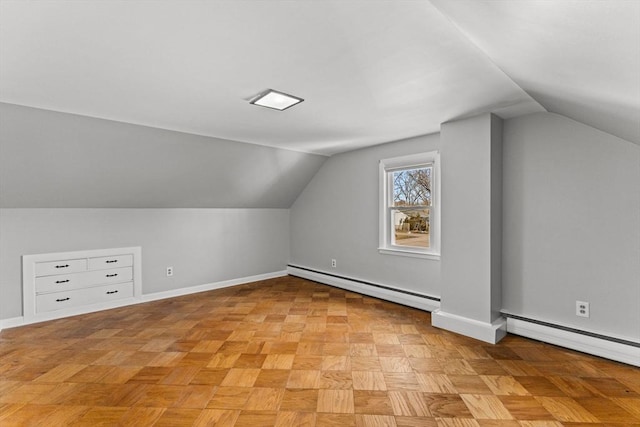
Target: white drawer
[110,262]
[58,301]
[79,297]
[79,280]
[114,275]
[61,282]
[60,267]
[109,292]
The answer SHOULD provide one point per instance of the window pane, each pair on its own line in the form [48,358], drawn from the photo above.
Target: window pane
[411,227]
[412,187]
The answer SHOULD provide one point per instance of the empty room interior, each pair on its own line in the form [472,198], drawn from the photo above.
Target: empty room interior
[320,213]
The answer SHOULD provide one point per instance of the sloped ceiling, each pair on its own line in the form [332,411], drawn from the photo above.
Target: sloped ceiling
[58,160]
[370,71]
[577,58]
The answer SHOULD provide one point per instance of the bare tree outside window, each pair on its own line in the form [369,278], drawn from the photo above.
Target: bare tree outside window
[411,206]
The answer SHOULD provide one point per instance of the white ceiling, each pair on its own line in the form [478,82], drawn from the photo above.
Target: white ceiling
[369,71]
[578,58]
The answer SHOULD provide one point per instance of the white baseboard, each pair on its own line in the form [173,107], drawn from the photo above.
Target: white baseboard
[592,345]
[483,331]
[210,286]
[361,288]
[68,312]
[43,317]
[11,322]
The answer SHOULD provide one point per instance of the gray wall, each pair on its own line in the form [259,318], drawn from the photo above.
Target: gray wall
[571,211]
[571,224]
[471,172]
[58,160]
[202,245]
[496,216]
[336,216]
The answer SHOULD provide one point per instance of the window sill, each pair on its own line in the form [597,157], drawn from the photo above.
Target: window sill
[412,254]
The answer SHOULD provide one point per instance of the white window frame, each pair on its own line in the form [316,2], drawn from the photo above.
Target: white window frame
[386,169]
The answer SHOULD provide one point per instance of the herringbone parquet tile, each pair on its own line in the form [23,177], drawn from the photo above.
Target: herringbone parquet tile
[289,352]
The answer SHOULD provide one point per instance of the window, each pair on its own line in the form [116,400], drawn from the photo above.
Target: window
[409,208]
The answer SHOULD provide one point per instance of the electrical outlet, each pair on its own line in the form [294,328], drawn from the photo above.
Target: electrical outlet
[334,263]
[582,309]
[169,271]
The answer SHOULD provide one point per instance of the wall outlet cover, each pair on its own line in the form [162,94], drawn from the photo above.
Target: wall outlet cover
[582,309]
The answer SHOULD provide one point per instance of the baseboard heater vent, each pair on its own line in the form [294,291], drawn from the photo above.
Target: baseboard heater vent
[614,348]
[400,296]
[415,294]
[572,330]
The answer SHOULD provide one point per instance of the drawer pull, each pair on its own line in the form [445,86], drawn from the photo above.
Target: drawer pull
[112,275]
[112,292]
[109,261]
[62,281]
[62,266]
[63,299]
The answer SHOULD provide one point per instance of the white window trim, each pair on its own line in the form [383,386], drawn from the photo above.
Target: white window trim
[384,232]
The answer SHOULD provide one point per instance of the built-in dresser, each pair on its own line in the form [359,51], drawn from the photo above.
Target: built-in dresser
[68,283]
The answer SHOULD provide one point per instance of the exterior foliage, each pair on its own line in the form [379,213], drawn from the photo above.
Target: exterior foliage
[412,187]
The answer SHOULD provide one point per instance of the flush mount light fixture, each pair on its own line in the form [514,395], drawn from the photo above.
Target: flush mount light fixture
[277,100]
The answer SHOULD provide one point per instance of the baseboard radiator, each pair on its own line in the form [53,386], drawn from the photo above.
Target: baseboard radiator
[388,293]
[614,348]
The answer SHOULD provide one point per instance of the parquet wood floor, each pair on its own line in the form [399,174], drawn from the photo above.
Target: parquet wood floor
[289,352]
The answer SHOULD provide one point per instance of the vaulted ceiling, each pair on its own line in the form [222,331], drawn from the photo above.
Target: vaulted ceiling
[577,58]
[369,71]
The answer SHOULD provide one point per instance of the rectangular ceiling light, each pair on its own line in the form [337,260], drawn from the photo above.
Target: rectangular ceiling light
[277,100]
